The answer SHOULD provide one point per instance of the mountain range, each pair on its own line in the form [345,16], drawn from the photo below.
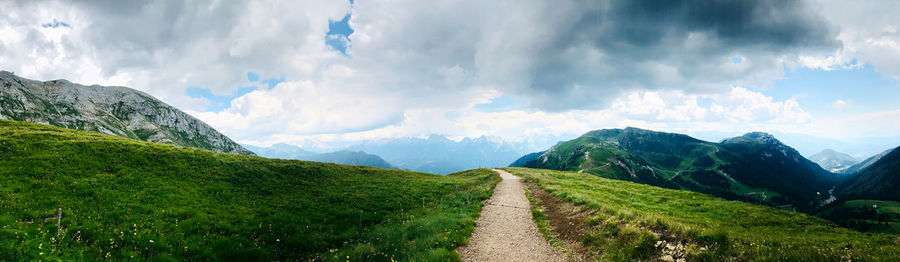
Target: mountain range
[111,110]
[439,155]
[346,157]
[433,154]
[754,167]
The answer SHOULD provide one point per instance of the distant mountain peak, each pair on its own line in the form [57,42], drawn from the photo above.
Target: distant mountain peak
[833,161]
[436,137]
[762,136]
[637,129]
[830,151]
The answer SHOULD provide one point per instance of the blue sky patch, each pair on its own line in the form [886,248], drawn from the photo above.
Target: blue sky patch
[501,104]
[704,102]
[272,82]
[217,103]
[252,77]
[56,24]
[869,90]
[338,36]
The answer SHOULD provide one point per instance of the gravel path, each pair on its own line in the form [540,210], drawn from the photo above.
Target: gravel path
[505,231]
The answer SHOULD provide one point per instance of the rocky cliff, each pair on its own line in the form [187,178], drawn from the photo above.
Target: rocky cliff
[111,110]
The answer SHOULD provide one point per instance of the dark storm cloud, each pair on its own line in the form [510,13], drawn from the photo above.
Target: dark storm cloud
[770,23]
[669,44]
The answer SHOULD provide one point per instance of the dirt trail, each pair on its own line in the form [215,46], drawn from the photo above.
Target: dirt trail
[505,231]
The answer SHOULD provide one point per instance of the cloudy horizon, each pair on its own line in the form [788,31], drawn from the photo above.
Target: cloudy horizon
[336,72]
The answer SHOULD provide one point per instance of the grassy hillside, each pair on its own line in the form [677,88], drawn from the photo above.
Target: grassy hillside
[754,168]
[627,219]
[865,215]
[118,194]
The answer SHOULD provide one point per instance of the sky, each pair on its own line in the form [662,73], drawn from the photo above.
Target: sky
[335,72]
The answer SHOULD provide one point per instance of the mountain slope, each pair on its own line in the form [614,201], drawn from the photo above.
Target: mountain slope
[111,110]
[764,162]
[862,165]
[625,221]
[117,194]
[526,158]
[755,167]
[833,161]
[879,181]
[346,157]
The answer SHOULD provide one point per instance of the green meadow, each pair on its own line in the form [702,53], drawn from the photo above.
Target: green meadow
[117,195]
[865,215]
[627,219]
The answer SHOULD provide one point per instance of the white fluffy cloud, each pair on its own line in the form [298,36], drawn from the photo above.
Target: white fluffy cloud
[869,32]
[738,110]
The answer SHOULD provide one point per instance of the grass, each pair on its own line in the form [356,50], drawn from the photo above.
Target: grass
[117,194]
[630,217]
[865,215]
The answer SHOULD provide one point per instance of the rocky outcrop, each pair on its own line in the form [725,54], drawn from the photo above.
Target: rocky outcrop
[110,110]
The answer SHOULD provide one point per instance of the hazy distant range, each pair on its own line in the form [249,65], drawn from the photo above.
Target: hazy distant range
[434,154]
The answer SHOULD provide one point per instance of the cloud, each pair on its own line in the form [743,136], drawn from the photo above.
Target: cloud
[870,34]
[574,65]
[738,110]
[163,47]
[575,55]
[579,56]
[305,107]
[841,104]
[743,105]
[854,126]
